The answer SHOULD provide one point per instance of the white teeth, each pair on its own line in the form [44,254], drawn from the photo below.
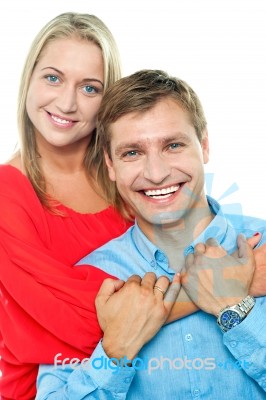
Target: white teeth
[61,121]
[161,193]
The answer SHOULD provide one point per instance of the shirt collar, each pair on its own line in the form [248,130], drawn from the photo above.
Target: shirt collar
[218,228]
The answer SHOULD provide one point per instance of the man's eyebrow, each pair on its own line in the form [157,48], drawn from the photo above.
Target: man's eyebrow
[83,80]
[176,138]
[180,136]
[126,146]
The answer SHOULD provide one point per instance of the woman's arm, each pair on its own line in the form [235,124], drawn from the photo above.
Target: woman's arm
[46,305]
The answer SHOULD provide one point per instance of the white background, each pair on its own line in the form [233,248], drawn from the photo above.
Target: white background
[217,46]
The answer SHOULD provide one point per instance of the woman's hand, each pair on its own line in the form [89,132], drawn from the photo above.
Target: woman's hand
[258,285]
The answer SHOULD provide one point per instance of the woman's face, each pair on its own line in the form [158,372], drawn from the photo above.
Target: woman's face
[65,92]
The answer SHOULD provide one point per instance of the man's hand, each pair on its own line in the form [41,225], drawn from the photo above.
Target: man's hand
[215,279]
[130,313]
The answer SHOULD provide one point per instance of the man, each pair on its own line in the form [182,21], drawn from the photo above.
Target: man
[153,130]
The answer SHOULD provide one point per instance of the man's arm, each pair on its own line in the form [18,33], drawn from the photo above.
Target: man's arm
[93,379]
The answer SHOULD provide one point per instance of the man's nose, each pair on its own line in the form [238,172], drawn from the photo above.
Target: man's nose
[156,168]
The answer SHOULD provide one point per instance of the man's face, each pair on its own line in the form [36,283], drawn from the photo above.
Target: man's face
[157,164]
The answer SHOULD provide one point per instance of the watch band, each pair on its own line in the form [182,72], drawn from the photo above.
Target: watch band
[231,316]
[246,304]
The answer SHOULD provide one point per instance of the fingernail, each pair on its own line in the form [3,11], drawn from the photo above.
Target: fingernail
[256,234]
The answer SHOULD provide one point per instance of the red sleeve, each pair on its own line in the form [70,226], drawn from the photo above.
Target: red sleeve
[46,307]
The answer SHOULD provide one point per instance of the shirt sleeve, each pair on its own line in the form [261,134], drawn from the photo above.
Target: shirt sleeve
[94,378]
[247,343]
[39,295]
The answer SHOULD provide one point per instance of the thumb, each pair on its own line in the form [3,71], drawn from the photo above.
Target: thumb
[108,288]
[245,250]
[254,240]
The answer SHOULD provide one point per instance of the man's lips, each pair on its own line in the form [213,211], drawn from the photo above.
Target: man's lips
[161,193]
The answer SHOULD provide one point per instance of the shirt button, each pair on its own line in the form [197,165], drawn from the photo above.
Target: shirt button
[188,337]
[233,343]
[160,257]
[153,264]
[127,380]
[196,392]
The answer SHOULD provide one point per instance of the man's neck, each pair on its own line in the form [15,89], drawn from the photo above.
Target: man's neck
[173,238]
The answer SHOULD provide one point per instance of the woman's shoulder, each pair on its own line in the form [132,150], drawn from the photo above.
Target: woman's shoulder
[11,174]
[14,184]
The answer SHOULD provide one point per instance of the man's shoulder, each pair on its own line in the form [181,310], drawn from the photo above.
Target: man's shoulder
[116,256]
[246,221]
[117,244]
[248,225]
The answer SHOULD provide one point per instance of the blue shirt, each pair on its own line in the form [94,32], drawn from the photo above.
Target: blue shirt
[188,359]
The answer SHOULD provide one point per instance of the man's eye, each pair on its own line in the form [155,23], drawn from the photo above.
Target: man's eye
[174,145]
[130,154]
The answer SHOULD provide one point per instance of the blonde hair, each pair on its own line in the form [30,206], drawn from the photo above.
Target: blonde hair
[140,92]
[84,26]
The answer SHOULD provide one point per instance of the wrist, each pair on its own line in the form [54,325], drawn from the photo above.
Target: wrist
[231,316]
[114,349]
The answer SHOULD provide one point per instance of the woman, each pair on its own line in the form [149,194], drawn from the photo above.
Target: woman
[52,211]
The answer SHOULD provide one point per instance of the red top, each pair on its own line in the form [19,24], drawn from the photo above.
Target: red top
[46,305]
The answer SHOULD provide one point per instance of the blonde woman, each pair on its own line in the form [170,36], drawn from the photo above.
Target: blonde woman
[52,212]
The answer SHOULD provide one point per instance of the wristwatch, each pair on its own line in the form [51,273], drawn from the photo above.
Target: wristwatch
[231,316]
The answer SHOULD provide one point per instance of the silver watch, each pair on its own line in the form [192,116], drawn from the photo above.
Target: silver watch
[231,316]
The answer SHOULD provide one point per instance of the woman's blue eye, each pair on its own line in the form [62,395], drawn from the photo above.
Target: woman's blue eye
[90,89]
[52,78]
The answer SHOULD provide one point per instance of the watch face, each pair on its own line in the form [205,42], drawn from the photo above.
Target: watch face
[230,318]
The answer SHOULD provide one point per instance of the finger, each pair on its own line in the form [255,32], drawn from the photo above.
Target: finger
[189,261]
[200,248]
[134,278]
[161,286]
[107,289]
[212,242]
[214,249]
[149,280]
[245,251]
[183,276]
[173,290]
[254,240]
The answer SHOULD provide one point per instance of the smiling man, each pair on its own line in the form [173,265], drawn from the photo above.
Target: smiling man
[153,132]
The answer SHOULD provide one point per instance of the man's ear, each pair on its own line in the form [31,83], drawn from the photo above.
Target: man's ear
[205,146]
[109,163]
